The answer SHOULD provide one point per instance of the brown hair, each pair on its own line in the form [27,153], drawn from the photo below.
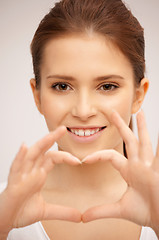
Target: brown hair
[111,18]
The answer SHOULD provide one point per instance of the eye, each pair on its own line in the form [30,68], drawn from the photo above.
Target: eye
[61,87]
[108,87]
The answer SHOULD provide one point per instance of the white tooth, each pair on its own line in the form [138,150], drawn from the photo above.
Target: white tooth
[81,133]
[92,132]
[87,133]
[76,132]
[97,129]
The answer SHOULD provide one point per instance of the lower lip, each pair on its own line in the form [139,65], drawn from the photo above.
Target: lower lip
[85,139]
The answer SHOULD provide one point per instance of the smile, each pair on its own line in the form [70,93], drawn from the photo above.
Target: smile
[85,132]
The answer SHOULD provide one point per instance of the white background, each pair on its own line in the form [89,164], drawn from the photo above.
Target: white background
[19,118]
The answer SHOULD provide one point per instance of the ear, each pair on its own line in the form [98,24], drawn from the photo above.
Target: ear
[140,93]
[36,94]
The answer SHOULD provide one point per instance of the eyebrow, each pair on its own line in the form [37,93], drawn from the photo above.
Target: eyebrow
[100,78]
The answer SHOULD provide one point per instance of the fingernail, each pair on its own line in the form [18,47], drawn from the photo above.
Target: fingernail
[85,159]
[23,146]
[77,160]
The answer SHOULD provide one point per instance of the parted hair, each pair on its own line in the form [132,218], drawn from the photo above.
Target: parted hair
[110,18]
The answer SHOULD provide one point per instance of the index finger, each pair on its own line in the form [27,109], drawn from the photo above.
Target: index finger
[45,143]
[126,134]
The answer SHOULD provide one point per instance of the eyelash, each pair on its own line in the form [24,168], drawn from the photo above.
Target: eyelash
[109,85]
[54,86]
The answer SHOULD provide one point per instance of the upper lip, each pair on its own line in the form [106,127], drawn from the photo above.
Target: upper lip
[84,127]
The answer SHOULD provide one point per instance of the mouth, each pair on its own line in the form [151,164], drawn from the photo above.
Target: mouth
[85,132]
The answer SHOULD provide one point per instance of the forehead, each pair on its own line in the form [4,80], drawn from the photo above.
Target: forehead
[78,54]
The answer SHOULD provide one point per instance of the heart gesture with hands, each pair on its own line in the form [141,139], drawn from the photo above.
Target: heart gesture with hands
[22,204]
[140,202]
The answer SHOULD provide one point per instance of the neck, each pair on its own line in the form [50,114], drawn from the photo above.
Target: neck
[100,175]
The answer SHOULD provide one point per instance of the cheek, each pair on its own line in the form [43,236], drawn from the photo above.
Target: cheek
[54,110]
[122,103]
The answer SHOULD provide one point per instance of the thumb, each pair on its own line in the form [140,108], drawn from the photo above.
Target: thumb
[57,212]
[102,211]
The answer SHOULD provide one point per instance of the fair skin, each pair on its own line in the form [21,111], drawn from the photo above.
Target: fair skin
[102,178]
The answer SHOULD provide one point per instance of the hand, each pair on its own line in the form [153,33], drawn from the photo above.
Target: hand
[140,203]
[21,203]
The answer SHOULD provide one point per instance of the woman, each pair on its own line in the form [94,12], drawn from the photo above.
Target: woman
[88,59]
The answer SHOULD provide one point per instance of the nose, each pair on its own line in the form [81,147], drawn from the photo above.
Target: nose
[84,106]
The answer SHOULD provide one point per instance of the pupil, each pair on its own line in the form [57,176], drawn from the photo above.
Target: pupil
[106,86]
[63,86]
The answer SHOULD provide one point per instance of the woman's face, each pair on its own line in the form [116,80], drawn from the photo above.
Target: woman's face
[82,79]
